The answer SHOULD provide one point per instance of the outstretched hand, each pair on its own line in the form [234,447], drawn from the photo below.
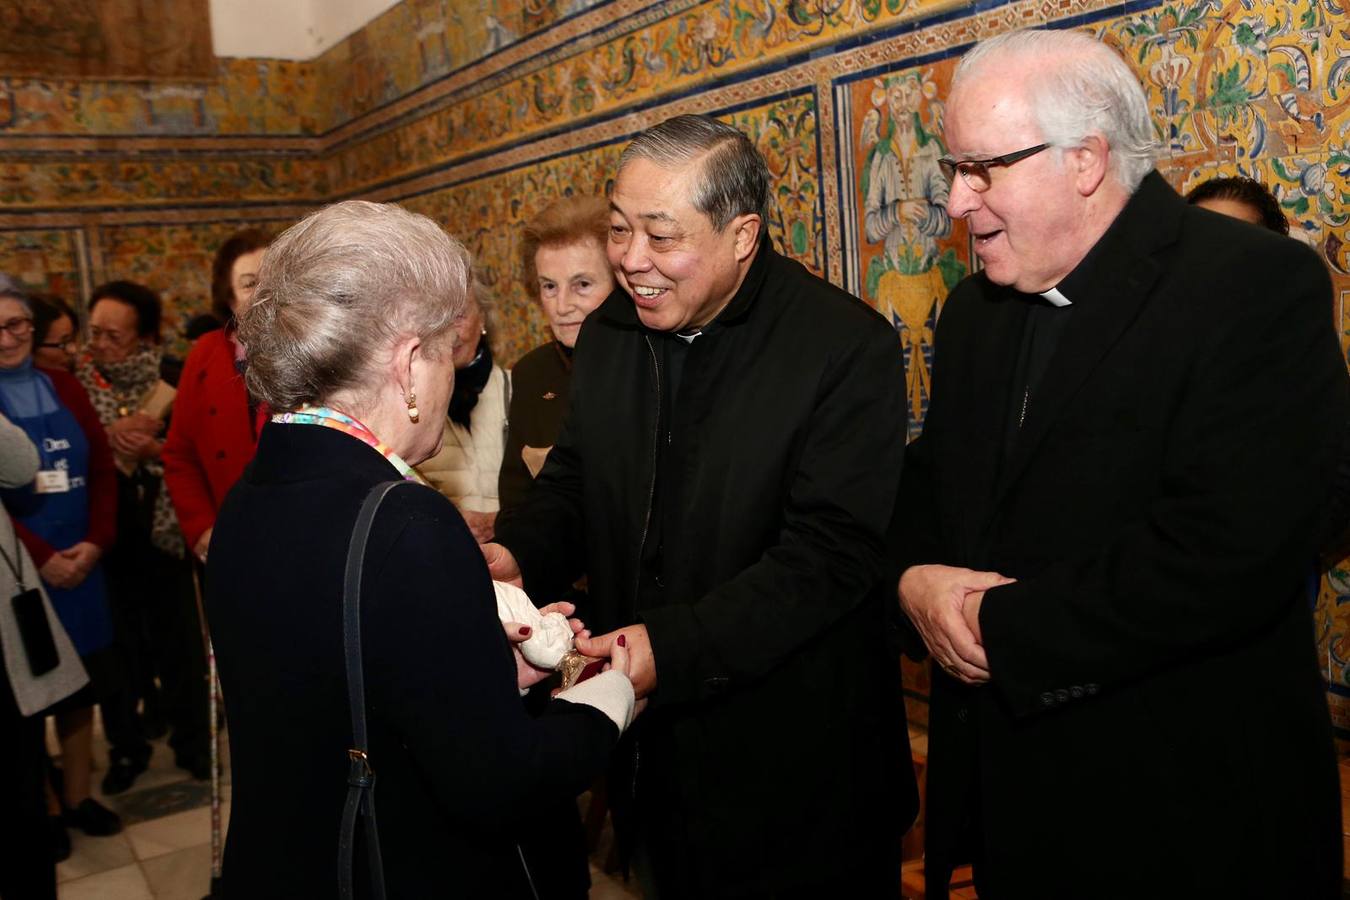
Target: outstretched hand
[527,676]
[502,566]
[636,650]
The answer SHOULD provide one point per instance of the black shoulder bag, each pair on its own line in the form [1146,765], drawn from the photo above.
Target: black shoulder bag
[360,777]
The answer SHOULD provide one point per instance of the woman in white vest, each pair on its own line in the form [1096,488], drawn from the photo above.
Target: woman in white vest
[466,468]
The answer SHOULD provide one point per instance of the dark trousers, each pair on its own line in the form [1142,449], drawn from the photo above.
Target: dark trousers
[157,633]
[26,867]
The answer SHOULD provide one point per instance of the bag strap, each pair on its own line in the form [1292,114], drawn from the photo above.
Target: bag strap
[360,776]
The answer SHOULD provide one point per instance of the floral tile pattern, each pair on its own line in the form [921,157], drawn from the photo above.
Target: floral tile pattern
[479,112]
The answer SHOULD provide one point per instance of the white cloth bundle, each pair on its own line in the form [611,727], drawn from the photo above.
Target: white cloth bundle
[551,638]
[551,635]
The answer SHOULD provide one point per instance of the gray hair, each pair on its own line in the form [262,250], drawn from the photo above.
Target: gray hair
[1078,86]
[12,288]
[735,176]
[337,289]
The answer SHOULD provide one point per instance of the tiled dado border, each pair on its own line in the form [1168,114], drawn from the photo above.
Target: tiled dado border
[943,27]
[940,35]
[200,214]
[602,22]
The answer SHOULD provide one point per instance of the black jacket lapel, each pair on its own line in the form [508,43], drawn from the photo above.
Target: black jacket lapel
[990,402]
[1120,286]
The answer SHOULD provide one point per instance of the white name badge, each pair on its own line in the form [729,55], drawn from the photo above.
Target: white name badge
[53,481]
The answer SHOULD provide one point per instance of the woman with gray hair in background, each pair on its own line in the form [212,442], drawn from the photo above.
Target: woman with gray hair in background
[470,459]
[66,519]
[350,341]
[38,667]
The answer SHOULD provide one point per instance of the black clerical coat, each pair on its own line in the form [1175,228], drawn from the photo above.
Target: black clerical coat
[772,760]
[1155,725]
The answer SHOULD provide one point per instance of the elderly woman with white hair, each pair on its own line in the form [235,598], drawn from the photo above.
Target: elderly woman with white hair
[350,342]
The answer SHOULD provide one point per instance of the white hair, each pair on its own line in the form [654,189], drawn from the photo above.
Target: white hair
[1077,87]
[337,289]
[12,288]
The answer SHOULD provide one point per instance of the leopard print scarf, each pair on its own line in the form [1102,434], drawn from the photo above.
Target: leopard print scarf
[117,389]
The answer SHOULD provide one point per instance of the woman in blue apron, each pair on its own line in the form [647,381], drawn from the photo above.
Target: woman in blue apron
[53,516]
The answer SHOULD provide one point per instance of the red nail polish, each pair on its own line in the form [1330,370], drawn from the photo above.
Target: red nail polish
[622,642]
[525,631]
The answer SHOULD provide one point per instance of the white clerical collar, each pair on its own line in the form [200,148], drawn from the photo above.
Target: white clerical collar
[1056,298]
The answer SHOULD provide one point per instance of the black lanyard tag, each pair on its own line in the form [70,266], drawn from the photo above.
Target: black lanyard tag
[35,632]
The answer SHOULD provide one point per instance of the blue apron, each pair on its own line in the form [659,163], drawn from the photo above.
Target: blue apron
[62,519]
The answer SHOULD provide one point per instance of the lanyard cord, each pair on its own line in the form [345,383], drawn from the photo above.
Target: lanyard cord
[15,564]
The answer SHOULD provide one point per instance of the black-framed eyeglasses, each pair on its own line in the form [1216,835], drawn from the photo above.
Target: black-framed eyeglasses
[69,345]
[975,172]
[17,328]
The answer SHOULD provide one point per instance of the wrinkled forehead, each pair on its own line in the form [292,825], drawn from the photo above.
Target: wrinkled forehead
[655,192]
[113,312]
[12,307]
[577,251]
[986,114]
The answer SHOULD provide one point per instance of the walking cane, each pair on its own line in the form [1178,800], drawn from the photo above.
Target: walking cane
[214,731]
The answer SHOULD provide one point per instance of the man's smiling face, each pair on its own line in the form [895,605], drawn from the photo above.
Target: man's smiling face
[1025,223]
[679,270]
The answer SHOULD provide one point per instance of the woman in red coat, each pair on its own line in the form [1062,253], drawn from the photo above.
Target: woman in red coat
[214,429]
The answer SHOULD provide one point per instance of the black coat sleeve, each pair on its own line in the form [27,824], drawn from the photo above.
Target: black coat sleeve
[441,672]
[513,481]
[546,532]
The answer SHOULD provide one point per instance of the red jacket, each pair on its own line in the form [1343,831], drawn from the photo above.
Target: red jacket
[211,437]
[102,471]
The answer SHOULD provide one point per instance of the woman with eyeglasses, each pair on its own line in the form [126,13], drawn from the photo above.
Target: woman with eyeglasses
[56,336]
[149,574]
[214,430]
[66,520]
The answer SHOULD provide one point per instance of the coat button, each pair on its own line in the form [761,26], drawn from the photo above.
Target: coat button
[211,411]
[220,454]
[1076,692]
[1062,695]
[1091,689]
[963,714]
[1047,699]
[716,685]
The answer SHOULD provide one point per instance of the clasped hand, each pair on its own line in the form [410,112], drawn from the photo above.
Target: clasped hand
[135,437]
[69,568]
[944,602]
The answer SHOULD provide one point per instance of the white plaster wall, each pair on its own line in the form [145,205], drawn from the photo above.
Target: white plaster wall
[287,29]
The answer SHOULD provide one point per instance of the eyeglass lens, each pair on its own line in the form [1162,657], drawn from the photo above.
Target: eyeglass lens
[19,328]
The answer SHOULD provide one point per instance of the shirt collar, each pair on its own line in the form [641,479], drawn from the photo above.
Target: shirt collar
[1055,298]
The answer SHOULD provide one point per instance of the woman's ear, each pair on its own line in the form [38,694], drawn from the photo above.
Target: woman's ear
[407,352]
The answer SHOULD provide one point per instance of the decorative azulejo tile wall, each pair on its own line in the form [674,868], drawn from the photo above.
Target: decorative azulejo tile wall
[480,112]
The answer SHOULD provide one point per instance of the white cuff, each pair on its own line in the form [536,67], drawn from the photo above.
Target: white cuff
[610,692]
